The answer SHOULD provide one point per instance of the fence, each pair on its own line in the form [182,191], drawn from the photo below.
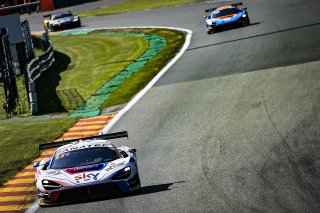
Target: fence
[7,72]
[37,66]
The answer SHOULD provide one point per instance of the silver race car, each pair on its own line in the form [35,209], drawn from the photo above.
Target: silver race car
[62,20]
[86,168]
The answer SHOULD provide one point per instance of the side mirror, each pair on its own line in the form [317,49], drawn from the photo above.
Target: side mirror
[36,164]
[205,16]
[124,154]
[245,8]
[134,150]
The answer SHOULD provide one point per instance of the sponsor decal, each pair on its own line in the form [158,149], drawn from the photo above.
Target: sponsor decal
[85,168]
[53,172]
[86,177]
[84,146]
[115,165]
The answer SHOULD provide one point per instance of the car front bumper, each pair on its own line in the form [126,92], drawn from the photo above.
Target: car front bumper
[86,192]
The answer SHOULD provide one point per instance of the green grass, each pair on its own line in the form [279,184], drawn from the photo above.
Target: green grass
[19,142]
[83,64]
[38,52]
[93,60]
[140,79]
[134,5]
[2,100]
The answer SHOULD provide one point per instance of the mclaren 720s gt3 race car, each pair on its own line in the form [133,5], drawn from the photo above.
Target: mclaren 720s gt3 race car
[86,168]
[226,16]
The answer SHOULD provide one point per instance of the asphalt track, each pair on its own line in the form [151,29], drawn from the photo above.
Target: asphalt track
[233,126]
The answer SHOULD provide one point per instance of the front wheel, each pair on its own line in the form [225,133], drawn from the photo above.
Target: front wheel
[211,31]
[138,191]
[246,22]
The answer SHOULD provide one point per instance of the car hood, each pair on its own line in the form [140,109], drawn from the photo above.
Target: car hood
[66,19]
[225,19]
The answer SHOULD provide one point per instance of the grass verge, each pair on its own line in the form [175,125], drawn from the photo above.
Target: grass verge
[19,142]
[134,5]
[83,64]
[140,79]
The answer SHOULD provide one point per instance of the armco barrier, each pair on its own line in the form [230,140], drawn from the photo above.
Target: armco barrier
[36,67]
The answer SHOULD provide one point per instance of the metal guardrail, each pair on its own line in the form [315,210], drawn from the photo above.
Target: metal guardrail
[40,63]
[36,67]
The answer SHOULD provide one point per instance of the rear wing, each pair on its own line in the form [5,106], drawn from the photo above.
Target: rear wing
[47,16]
[233,5]
[105,136]
[237,4]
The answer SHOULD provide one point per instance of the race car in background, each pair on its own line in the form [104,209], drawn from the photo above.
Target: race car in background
[226,15]
[86,168]
[62,20]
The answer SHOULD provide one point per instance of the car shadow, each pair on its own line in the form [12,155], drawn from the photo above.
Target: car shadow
[233,27]
[145,190]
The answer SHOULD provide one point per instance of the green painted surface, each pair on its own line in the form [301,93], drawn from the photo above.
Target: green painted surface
[91,107]
[74,32]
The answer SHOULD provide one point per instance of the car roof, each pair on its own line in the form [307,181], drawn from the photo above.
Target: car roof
[62,12]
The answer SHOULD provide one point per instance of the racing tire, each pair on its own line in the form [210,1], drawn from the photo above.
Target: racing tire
[138,191]
[246,22]
[79,23]
[211,31]
[51,28]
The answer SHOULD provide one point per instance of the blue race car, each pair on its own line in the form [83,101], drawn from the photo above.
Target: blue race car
[226,15]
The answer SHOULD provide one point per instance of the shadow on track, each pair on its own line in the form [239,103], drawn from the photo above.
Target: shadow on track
[232,27]
[157,188]
[144,191]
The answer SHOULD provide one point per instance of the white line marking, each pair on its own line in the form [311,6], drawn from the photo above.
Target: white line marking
[35,205]
[33,208]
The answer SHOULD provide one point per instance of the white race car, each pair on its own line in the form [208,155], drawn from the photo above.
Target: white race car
[62,20]
[86,168]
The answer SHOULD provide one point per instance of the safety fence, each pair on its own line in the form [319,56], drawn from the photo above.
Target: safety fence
[7,73]
[42,62]
[37,66]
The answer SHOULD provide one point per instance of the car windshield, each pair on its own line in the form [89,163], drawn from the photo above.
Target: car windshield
[83,157]
[59,16]
[224,12]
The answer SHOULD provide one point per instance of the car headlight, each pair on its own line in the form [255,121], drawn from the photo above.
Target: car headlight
[209,22]
[76,19]
[122,174]
[244,15]
[49,185]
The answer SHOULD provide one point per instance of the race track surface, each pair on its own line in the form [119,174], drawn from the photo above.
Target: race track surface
[233,126]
